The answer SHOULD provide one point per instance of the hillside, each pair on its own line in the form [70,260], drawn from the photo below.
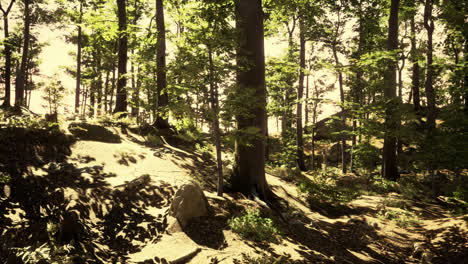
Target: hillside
[107,202]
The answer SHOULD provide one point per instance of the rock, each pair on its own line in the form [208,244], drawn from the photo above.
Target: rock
[189,202]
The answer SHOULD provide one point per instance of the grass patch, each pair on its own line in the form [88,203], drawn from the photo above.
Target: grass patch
[322,189]
[264,259]
[402,218]
[252,226]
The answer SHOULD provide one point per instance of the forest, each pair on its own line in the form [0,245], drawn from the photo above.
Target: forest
[233,131]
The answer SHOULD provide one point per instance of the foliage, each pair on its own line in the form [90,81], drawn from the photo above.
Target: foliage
[252,226]
[324,189]
[366,156]
[264,259]
[54,94]
[402,218]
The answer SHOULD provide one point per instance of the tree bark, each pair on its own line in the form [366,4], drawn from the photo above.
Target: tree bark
[415,71]
[249,169]
[343,113]
[389,168]
[429,88]
[287,118]
[7,53]
[216,131]
[78,64]
[300,92]
[121,94]
[22,74]
[162,120]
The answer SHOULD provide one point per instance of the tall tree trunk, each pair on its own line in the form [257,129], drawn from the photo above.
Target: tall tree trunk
[249,169]
[112,91]
[287,118]
[357,90]
[162,119]
[300,92]
[22,74]
[135,96]
[7,53]
[121,95]
[216,131]
[106,92]
[429,88]
[389,168]
[415,70]
[343,112]
[78,63]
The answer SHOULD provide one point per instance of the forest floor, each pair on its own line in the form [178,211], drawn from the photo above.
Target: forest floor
[121,190]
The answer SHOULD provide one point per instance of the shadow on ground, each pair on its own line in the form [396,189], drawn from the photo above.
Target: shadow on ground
[68,208]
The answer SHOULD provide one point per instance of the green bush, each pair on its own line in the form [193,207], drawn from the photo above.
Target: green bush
[324,189]
[264,259]
[254,227]
[366,156]
[402,218]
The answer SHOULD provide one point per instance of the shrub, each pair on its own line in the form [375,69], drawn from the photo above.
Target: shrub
[254,227]
[264,259]
[366,156]
[400,217]
[324,189]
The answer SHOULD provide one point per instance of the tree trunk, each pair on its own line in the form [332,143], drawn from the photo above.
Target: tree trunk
[429,88]
[78,64]
[216,131]
[7,53]
[249,169]
[287,119]
[112,91]
[22,74]
[343,113]
[162,120]
[415,73]
[389,168]
[106,91]
[300,92]
[121,95]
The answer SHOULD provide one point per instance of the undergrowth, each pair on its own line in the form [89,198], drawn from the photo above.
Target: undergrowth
[252,226]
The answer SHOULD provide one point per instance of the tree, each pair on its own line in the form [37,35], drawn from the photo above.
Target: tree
[7,53]
[415,70]
[429,86]
[389,167]
[22,74]
[249,169]
[121,95]
[78,61]
[300,92]
[162,120]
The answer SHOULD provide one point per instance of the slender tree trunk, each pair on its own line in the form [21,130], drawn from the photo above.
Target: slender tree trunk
[121,95]
[162,119]
[78,64]
[216,131]
[389,168]
[415,73]
[343,112]
[106,92]
[135,109]
[22,74]
[113,86]
[429,88]
[287,119]
[300,92]
[7,53]
[249,169]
